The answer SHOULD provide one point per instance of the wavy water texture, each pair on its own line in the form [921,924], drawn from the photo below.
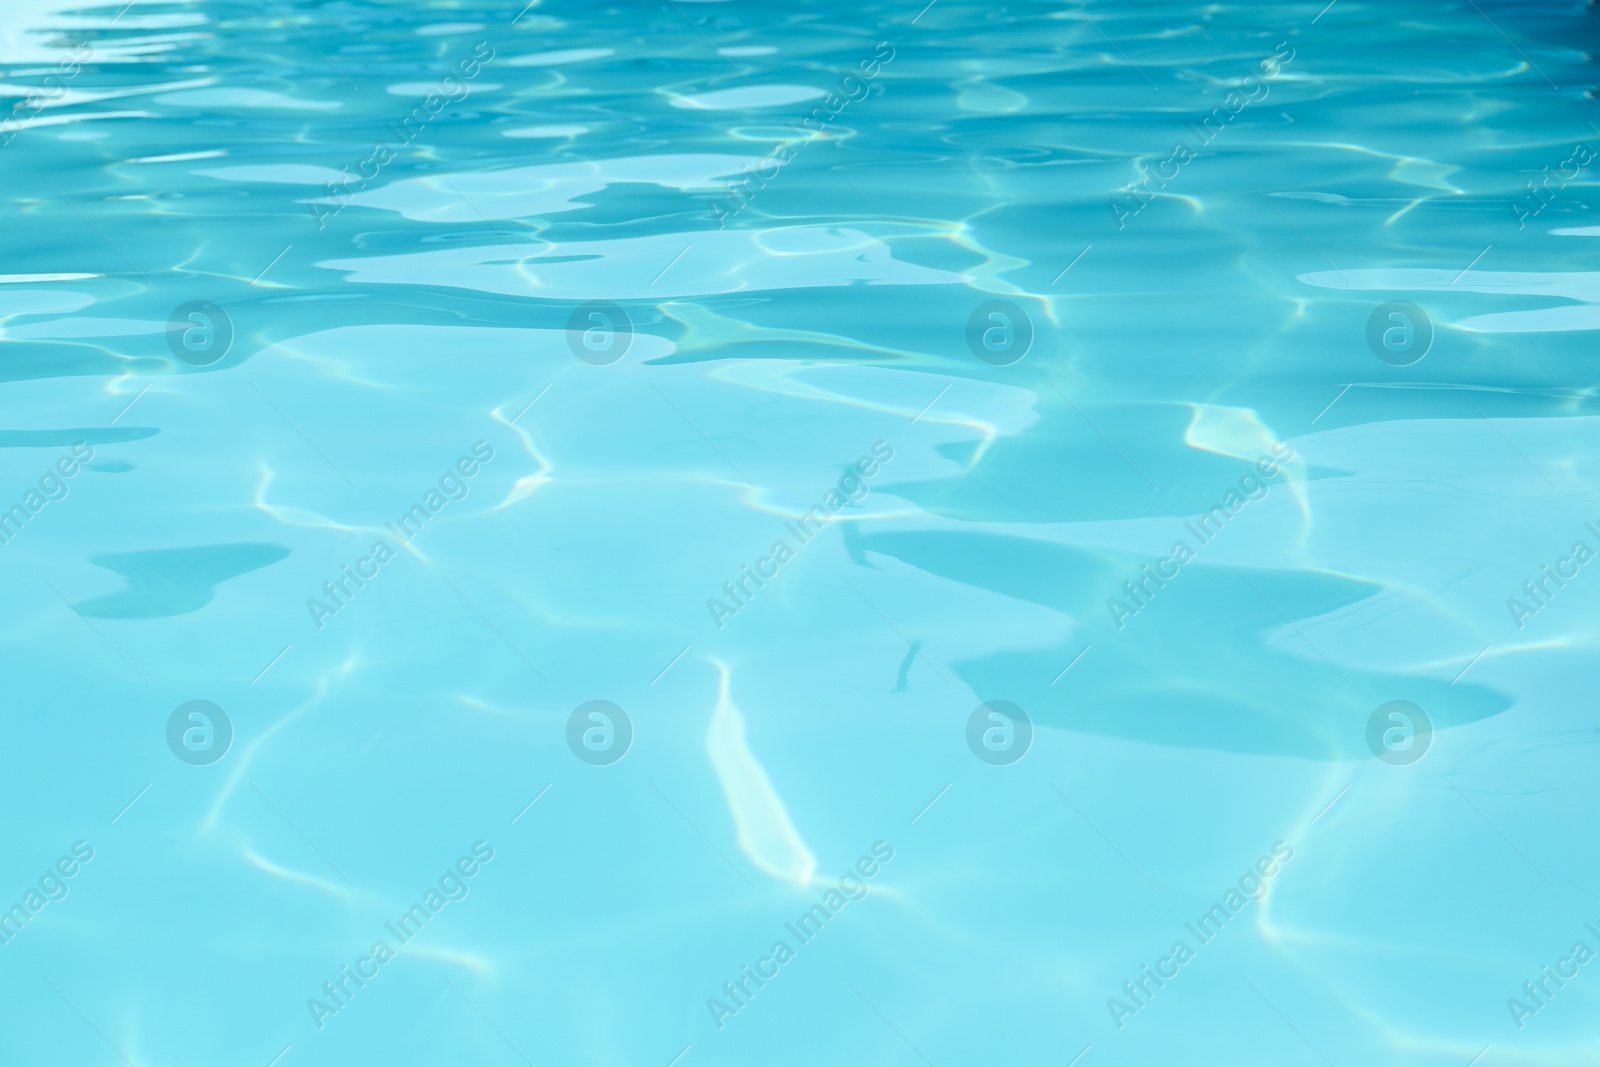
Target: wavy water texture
[910,358]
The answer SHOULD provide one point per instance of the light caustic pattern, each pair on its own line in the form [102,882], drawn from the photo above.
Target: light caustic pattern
[720,533]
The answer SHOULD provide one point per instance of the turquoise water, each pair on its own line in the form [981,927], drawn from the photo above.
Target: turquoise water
[718,533]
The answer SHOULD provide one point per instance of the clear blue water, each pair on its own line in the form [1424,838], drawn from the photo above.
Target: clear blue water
[1187,401]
